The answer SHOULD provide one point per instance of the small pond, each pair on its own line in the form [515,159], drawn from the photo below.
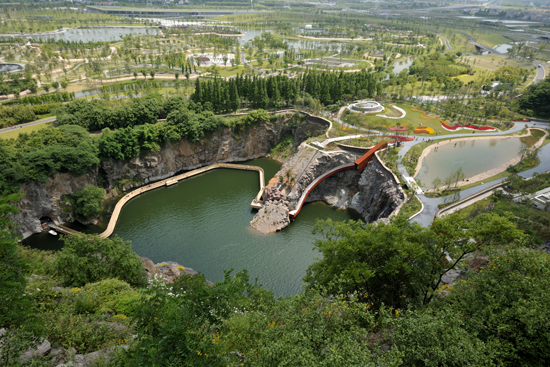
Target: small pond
[473,156]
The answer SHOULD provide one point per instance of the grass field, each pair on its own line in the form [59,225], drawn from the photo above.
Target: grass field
[491,39]
[493,62]
[12,134]
[412,120]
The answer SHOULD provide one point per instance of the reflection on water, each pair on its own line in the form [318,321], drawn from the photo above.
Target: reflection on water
[202,223]
[473,156]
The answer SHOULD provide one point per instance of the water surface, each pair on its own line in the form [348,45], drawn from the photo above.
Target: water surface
[473,156]
[202,223]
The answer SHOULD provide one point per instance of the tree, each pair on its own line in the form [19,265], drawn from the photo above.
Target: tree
[64,84]
[55,85]
[14,305]
[504,306]
[88,258]
[400,264]
[152,73]
[436,183]
[135,74]
[88,202]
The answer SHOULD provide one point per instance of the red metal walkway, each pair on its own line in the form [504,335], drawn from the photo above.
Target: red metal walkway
[359,165]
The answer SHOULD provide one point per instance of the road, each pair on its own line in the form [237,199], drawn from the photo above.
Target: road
[431,205]
[446,42]
[541,73]
[247,64]
[50,119]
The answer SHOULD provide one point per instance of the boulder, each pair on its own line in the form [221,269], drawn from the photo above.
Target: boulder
[41,349]
[149,266]
[477,263]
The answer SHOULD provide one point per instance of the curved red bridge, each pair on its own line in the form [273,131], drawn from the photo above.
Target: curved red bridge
[359,165]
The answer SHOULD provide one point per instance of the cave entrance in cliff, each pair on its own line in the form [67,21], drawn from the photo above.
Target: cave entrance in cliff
[45,219]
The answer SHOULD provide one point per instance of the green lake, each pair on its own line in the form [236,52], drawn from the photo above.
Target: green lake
[202,223]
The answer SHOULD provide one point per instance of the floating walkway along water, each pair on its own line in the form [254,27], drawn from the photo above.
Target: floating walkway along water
[256,203]
[360,164]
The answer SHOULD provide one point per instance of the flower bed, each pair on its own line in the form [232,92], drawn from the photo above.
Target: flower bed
[465,127]
[399,128]
[424,130]
[398,137]
[524,120]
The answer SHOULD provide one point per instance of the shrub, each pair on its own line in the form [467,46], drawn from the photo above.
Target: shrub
[88,201]
[87,258]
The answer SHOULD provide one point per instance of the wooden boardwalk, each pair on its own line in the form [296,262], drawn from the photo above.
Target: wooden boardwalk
[256,203]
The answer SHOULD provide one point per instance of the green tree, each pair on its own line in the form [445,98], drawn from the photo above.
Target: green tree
[400,264]
[88,202]
[504,305]
[88,258]
[15,306]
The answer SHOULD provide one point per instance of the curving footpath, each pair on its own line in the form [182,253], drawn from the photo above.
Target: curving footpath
[315,182]
[256,203]
[431,205]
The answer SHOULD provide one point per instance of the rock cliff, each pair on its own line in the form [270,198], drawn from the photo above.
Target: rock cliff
[375,194]
[224,145]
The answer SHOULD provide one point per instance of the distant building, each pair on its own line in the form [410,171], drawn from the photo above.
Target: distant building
[204,61]
[308,26]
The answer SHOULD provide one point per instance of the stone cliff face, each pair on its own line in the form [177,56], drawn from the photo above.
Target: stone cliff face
[375,194]
[379,194]
[221,146]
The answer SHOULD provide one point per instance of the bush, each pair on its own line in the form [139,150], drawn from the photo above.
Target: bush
[87,258]
[107,296]
[39,262]
[88,201]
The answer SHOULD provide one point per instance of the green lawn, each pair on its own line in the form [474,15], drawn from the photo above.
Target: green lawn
[412,120]
[491,39]
[411,207]
[12,134]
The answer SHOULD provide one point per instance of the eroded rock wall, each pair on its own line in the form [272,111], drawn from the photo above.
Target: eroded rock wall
[375,194]
[223,145]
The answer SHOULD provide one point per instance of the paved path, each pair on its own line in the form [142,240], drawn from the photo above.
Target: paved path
[446,42]
[431,205]
[173,180]
[50,119]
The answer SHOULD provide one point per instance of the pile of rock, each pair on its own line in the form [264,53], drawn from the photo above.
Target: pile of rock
[271,218]
[168,270]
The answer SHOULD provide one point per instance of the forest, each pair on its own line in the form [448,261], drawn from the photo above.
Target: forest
[126,132]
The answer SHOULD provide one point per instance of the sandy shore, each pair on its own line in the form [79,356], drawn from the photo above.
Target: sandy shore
[486,174]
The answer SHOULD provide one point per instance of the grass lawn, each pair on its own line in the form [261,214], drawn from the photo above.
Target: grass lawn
[412,120]
[493,62]
[411,207]
[491,39]
[12,134]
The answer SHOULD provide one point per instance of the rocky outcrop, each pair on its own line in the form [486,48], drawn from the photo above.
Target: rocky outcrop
[271,218]
[379,194]
[224,145]
[375,193]
[168,270]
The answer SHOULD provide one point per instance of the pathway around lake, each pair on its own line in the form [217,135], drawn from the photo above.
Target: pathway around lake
[431,205]
[175,179]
